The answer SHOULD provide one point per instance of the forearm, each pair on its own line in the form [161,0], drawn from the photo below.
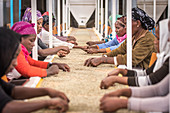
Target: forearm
[78,47]
[125,92]
[93,47]
[20,92]
[121,80]
[26,107]
[108,60]
[101,50]
[46,52]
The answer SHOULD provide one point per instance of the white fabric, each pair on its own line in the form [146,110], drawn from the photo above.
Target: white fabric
[13,74]
[141,72]
[44,35]
[164,45]
[115,61]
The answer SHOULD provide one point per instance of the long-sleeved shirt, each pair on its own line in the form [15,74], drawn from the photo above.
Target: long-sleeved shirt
[31,67]
[154,98]
[109,46]
[142,49]
[44,35]
[148,77]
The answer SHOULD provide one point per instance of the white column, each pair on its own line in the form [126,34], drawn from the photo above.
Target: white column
[106,17]
[117,7]
[50,24]
[34,20]
[63,18]
[144,5]
[154,10]
[98,15]
[129,34]
[113,17]
[1,13]
[66,15]
[101,17]
[58,13]
[69,15]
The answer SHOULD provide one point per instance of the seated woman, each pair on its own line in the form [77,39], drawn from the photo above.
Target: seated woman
[120,30]
[11,96]
[70,39]
[43,50]
[44,35]
[90,43]
[27,66]
[154,98]
[142,44]
[150,76]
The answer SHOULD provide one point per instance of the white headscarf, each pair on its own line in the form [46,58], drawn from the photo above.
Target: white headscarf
[164,45]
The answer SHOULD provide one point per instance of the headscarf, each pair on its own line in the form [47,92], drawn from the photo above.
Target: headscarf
[164,45]
[46,20]
[147,22]
[28,15]
[10,41]
[110,19]
[24,28]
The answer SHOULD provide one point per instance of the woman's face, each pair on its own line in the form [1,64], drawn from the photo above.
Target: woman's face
[39,25]
[135,26]
[119,29]
[156,42]
[28,42]
[46,26]
[14,61]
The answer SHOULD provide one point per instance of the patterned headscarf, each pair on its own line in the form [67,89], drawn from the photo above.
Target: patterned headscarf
[146,21]
[46,19]
[24,28]
[28,15]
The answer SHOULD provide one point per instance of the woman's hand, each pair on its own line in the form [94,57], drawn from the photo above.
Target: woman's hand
[116,93]
[58,104]
[111,104]
[62,53]
[62,66]
[63,48]
[116,72]
[93,62]
[90,43]
[91,51]
[107,82]
[54,93]
[120,92]
[52,70]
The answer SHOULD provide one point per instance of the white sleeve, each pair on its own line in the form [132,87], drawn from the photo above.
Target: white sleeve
[56,42]
[153,104]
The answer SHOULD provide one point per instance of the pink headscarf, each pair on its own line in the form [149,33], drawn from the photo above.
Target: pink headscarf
[24,28]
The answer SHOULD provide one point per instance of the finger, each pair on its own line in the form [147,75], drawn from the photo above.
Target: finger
[85,64]
[64,69]
[89,62]
[64,97]
[67,68]
[102,85]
